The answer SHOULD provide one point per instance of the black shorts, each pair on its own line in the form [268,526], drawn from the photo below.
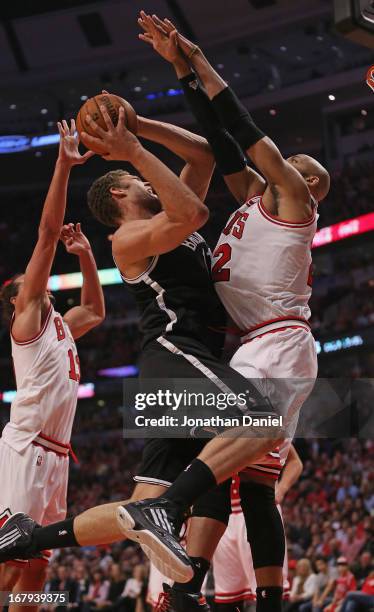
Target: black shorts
[174,357]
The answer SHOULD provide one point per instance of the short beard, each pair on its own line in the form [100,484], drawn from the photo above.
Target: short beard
[152,205]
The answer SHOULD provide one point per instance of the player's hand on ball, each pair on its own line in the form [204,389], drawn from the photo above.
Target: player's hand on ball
[69,142]
[162,37]
[118,141]
[74,240]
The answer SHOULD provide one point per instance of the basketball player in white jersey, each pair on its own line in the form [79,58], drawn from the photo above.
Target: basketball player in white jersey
[234,576]
[35,443]
[262,273]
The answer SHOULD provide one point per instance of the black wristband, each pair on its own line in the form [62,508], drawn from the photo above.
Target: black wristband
[226,151]
[236,119]
[200,104]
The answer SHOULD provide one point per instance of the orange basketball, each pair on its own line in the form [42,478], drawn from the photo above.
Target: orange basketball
[112,103]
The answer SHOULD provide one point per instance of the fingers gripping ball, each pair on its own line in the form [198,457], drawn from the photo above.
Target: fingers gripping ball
[112,103]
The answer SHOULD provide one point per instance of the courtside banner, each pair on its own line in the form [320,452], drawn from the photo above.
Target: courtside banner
[200,408]
[344,229]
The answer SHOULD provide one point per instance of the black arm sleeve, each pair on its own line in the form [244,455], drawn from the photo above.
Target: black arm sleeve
[236,119]
[227,153]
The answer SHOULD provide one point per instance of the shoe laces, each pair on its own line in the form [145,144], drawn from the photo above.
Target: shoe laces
[163,602]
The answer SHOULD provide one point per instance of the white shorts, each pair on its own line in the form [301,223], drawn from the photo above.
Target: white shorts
[35,482]
[234,576]
[283,366]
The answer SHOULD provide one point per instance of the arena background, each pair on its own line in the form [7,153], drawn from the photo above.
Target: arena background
[305,85]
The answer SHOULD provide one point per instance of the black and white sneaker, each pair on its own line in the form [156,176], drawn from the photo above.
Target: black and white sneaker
[16,537]
[155,525]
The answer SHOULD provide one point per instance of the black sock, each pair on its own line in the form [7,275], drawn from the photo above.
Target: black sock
[57,535]
[201,567]
[269,599]
[196,479]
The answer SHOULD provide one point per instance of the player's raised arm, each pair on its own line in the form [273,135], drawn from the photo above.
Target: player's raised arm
[242,180]
[190,147]
[91,311]
[32,293]
[182,211]
[290,181]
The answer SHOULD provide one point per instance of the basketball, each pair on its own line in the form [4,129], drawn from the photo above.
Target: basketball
[112,103]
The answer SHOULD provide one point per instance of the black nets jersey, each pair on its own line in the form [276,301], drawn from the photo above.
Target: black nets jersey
[176,296]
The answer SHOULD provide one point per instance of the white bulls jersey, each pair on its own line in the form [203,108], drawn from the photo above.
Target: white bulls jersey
[262,269]
[47,376]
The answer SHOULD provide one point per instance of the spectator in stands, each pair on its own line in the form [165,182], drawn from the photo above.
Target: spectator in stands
[352,544]
[363,568]
[133,591]
[361,601]
[97,592]
[65,582]
[303,586]
[323,577]
[82,579]
[116,586]
[341,585]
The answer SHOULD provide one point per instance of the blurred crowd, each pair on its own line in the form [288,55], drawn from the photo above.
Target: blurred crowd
[328,517]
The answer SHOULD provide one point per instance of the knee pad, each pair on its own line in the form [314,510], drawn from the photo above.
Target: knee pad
[264,524]
[215,504]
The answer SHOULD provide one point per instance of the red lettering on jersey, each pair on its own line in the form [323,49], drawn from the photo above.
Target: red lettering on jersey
[74,370]
[219,273]
[236,225]
[59,328]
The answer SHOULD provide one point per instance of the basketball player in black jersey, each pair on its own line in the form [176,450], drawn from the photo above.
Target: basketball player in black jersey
[165,263]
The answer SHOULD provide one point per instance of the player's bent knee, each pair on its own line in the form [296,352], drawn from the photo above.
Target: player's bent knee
[215,504]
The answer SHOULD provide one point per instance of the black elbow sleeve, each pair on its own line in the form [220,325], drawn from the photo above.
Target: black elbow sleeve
[236,119]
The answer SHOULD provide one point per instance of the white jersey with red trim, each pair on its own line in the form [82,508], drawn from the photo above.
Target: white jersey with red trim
[262,268]
[47,376]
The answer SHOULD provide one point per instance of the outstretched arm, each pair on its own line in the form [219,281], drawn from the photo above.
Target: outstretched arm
[241,180]
[182,211]
[91,311]
[287,185]
[28,308]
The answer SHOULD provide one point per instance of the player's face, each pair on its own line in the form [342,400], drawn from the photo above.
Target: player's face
[299,163]
[140,192]
[48,294]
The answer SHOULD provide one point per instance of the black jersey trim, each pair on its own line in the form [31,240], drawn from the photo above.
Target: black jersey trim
[140,278]
[173,317]
[199,365]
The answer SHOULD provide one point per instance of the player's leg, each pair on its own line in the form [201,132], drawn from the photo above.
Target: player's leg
[266,537]
[232,568]
[99,525]
[94,527]
[210,517]
[9,574]
[32,578]
[280,360]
